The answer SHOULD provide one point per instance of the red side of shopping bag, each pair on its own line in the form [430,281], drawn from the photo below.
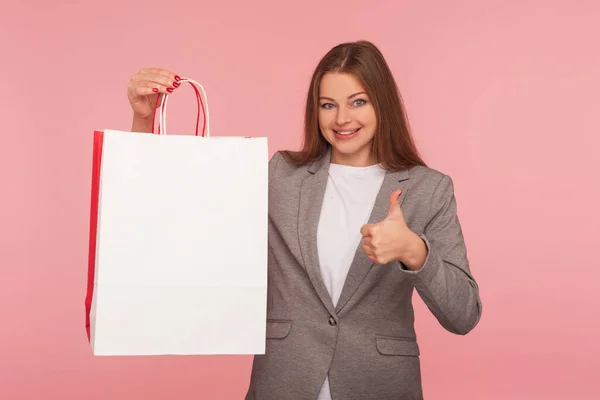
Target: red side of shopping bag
[96,162]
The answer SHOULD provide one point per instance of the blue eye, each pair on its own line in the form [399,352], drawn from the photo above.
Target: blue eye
[360,102]
[327,106]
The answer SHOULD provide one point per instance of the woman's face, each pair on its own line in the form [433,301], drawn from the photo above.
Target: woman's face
[347,119]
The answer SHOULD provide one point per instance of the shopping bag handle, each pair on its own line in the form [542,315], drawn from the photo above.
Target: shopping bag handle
[161,109]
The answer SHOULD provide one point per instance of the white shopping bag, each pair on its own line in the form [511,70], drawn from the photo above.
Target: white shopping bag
[178,243]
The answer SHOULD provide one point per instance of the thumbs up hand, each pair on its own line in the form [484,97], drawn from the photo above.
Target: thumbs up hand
[392,240]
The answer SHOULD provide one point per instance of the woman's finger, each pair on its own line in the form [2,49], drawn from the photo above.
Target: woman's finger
[160,71]
[158,78]
[145,88]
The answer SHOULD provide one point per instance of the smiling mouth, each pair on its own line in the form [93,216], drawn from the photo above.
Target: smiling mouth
[346,133]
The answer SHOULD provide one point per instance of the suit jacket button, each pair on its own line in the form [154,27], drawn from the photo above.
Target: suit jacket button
[332,321]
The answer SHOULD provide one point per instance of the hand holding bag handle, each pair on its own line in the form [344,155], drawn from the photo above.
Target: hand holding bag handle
[161,109]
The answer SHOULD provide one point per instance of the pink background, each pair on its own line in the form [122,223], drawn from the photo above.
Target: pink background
[502,95]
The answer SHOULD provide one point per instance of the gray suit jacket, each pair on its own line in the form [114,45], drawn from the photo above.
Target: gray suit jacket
[367,343]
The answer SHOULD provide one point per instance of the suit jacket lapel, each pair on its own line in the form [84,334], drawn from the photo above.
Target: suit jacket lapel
[312,191]
[361,265]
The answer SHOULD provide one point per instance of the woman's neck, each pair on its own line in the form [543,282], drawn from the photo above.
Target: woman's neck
[352,160]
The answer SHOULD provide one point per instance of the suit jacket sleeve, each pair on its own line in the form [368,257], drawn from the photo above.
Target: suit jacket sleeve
[445,282]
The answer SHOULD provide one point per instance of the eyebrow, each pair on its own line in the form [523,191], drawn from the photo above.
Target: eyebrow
[349,97]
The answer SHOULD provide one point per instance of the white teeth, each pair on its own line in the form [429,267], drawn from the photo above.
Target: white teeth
[347,132]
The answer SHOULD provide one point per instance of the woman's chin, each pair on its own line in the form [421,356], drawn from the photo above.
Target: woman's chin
[349,153]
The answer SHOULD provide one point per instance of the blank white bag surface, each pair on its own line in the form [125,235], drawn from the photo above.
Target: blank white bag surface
[181,262]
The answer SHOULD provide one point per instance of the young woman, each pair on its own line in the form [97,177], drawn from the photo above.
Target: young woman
[356,222]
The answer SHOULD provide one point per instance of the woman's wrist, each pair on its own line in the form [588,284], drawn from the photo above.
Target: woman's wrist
[142,123]
[415,257]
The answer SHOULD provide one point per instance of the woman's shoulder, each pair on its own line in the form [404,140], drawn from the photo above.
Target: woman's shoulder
[431,182]
[286,163]
[426,174]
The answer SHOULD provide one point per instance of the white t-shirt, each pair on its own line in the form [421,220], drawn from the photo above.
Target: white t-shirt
[349,198]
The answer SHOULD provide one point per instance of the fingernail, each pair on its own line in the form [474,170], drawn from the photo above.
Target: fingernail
[176,84]
[154,90]
[177,78]
[170,90]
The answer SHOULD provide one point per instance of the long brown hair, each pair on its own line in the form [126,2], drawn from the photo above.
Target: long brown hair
[393,145]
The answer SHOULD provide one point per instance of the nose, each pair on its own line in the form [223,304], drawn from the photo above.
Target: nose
[343,116]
